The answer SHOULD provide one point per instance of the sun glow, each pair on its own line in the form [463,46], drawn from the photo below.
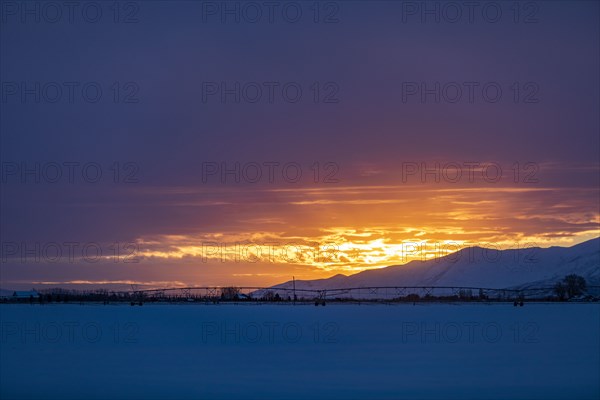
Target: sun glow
[348,229]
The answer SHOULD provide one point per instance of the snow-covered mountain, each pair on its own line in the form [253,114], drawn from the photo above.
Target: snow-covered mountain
[477,267]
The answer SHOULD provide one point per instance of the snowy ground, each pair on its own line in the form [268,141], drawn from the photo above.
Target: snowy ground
[451,351]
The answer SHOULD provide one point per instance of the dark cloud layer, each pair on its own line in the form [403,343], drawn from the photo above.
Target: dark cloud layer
[363,115]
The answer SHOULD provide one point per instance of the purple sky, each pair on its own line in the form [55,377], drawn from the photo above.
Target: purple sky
[379,94]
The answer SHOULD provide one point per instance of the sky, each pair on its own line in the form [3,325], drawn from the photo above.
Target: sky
[190,143]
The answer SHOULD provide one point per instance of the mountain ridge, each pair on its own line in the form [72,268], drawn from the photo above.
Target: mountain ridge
[476,267]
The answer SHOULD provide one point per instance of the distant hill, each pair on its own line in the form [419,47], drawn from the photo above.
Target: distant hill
[477,267]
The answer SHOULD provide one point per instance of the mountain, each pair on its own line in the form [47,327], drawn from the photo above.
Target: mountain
[477,267]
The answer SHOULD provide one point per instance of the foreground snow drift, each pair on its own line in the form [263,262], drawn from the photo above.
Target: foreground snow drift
[466,351]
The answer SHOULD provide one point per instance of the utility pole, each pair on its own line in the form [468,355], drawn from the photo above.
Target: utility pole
[294,284]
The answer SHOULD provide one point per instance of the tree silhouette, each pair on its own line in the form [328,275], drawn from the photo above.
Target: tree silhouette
[571,286]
